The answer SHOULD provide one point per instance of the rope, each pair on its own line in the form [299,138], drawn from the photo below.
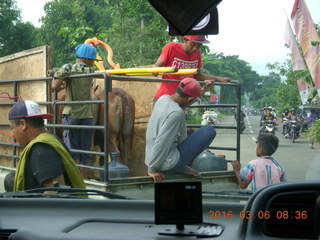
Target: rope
[10,135]
[8,96]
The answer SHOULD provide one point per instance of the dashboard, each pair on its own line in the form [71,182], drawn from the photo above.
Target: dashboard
[281,211]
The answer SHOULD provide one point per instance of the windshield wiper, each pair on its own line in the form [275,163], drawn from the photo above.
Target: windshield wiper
[62,192]
[227,194]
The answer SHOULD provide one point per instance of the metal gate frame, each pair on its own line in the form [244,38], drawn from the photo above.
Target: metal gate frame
[108,87]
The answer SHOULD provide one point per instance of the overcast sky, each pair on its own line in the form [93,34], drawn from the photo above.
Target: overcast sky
[251,29]
[254,29]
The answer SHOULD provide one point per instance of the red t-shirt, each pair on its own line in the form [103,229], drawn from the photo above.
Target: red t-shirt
[173,55]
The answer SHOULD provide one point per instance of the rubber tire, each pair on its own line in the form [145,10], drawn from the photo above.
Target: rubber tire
[293,135]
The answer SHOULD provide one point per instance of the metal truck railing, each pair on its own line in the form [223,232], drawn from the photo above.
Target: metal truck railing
[108,87]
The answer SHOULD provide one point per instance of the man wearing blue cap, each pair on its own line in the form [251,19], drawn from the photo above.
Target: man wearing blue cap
[78,89]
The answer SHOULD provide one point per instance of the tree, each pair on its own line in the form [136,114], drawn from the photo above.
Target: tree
[15,36]
[287,94]
[133,29]
[234,68]
[9,14]
[22,37]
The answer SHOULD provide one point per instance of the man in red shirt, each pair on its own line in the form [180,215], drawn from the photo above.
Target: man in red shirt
[185,55]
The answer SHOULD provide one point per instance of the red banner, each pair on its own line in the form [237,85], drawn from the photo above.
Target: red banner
[307,33]
[297,63]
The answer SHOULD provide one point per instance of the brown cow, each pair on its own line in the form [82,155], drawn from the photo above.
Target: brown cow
[121,124]
[121,121]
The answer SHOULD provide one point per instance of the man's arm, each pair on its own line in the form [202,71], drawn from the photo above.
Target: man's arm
[47,165]
[60,76]
[236,168]
[202,77]
[164,141]
[56,83]
[51,181]
[159,63]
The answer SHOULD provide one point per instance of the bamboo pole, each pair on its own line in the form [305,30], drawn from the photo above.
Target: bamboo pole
[179,72]
[139,70]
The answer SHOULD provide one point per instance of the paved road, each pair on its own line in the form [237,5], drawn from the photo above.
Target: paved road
[300,162]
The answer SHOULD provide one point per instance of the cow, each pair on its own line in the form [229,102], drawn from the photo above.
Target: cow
[121,117]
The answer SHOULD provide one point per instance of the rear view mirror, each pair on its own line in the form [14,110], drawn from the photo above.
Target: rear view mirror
[192,17]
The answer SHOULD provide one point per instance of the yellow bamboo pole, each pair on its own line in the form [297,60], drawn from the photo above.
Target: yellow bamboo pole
[179,72]
[139,70]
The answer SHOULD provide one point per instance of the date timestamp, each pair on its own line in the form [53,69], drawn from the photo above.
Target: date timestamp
[280,214]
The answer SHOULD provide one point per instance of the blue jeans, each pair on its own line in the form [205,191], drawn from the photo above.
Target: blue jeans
[79,139]
[192,146]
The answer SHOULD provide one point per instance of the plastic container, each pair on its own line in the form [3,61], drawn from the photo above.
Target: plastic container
[116,169]
[207,161]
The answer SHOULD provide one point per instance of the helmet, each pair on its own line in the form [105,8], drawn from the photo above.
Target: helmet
[293,110]
[86,51]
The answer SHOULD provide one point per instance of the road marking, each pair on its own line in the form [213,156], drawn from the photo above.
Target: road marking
[249,125]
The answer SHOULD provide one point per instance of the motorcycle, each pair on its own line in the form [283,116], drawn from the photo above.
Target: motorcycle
[210,117]
[242,123]
[268,127]
[294,130]
[285,129]
[304,124]
[242,126]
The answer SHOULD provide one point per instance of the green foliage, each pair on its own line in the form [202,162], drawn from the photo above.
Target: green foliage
[234,68]
[9,15]
[137,33]
[286,94]
[314,131]
[16,36]
[133,29]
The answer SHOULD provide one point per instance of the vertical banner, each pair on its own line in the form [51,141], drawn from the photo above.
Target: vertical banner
[307,33]
[297,63]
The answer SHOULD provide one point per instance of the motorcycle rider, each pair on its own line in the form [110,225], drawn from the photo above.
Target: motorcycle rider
[293,116]
[263,114]
[242,116]
[273,111]
[267,117]
[285,115]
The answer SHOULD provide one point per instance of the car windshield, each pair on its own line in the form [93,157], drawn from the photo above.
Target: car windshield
[131,71]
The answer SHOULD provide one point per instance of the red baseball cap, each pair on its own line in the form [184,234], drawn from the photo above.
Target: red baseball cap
[190,87]
[197,38]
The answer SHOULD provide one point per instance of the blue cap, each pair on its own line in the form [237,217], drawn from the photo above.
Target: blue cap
[86,51]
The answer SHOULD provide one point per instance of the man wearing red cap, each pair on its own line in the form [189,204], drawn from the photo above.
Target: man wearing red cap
[168,149]
[185,55]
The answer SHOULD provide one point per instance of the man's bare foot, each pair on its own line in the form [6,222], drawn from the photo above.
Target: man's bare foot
[194,173]
[157,176]
[190,171]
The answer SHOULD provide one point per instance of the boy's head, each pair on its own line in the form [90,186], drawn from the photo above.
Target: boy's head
[267,144]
